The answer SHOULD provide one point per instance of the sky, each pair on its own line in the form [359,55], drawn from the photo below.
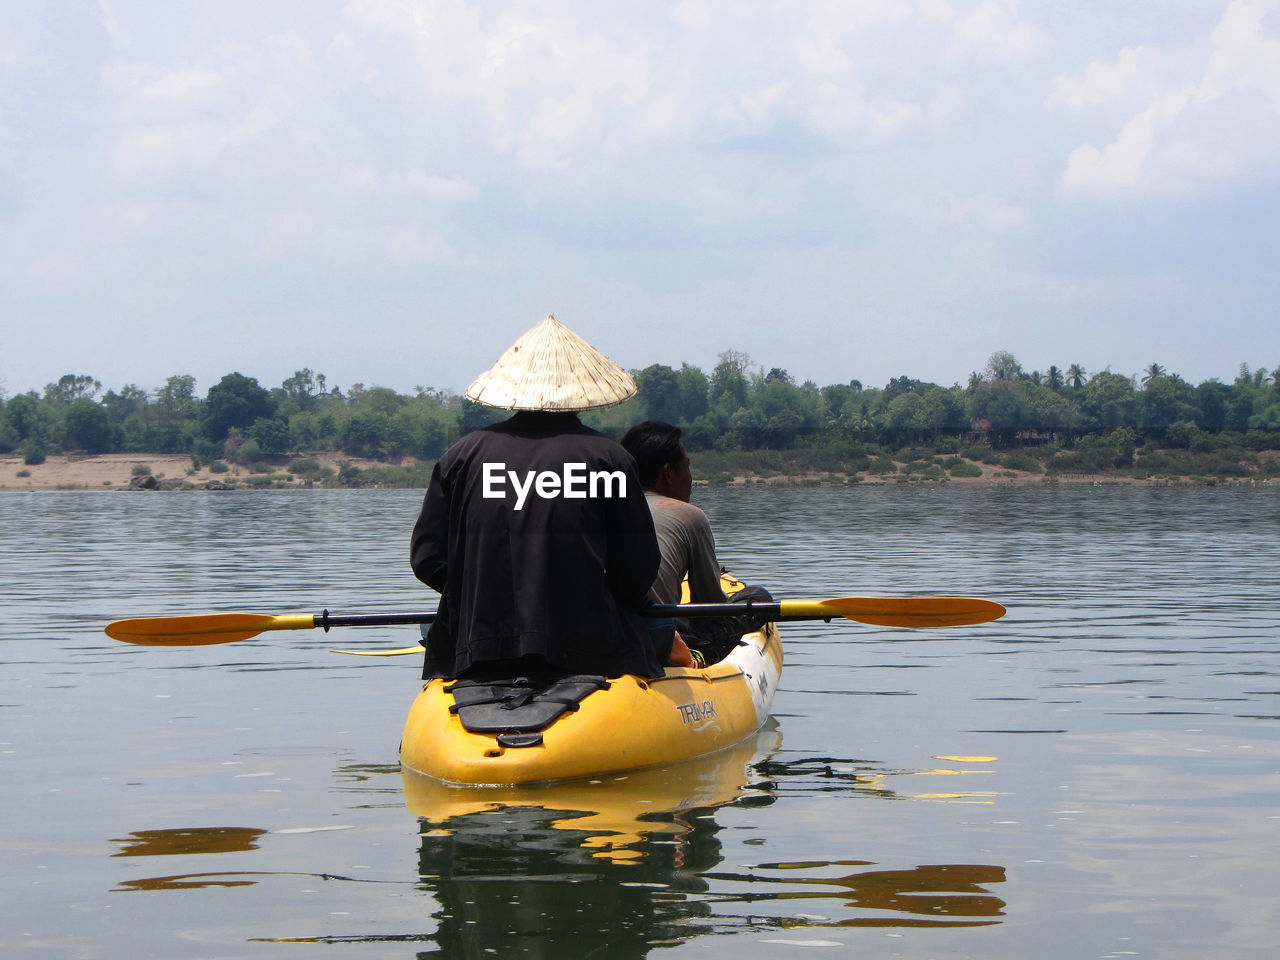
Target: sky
[389,192]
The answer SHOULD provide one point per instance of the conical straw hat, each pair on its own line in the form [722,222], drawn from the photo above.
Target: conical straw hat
[552,368]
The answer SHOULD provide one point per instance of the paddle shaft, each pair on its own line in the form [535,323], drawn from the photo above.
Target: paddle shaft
[773,612]
[327,620]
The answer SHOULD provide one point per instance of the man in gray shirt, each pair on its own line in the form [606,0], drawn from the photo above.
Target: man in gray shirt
[685,541]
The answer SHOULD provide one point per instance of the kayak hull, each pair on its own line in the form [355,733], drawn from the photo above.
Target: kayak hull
[635,723]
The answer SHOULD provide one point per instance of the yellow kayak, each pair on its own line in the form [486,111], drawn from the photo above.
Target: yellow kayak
[489,734]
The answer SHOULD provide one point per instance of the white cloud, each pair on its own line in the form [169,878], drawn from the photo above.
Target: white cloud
[1244,60]
[993,29]
[1101,83]
[557,85]
[1219,123]
[446,189]
[179,122]
[1123,162]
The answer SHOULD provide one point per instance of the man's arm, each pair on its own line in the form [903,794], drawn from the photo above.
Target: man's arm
[704,568]
[429,547]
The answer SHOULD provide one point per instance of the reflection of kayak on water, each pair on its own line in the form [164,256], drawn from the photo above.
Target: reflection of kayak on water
[519,731]
[618,810]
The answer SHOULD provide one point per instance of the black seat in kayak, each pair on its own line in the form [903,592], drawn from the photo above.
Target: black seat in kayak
[521,706]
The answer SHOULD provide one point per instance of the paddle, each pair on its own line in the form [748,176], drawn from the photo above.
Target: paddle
[883,611]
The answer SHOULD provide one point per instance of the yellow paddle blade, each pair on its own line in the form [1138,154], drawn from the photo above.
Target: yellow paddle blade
[392,652]
[899,611]
[198,630]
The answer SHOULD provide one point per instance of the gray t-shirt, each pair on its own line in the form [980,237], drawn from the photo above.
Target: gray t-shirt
[684,537]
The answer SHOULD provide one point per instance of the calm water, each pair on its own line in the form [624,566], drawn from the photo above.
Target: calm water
[1096,775]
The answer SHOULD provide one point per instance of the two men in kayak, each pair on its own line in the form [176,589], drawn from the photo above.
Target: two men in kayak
[536,532]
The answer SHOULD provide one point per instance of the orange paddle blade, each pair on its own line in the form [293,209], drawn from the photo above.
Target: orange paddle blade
[204,629]
[899,611]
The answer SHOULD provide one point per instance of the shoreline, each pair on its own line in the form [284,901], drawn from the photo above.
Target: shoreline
[114,472]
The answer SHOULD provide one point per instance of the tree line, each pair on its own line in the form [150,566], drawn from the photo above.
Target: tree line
[1095,418]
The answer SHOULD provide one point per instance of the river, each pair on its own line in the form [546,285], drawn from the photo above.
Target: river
[1095,775]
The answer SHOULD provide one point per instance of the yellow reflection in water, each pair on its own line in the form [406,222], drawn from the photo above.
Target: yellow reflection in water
[189,881]
[881,781]
[932,895]
[618,811]
[187,840]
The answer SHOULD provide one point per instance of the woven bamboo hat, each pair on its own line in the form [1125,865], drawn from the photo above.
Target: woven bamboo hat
[552,368]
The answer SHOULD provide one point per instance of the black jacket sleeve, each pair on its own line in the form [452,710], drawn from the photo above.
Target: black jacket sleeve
[633,558]
[429,548]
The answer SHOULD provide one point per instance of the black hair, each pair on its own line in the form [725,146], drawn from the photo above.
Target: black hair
[654,444]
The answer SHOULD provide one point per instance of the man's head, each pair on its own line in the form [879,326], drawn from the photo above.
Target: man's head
[660,458]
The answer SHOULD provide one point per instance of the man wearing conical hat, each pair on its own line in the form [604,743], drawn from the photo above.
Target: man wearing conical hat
[535,531]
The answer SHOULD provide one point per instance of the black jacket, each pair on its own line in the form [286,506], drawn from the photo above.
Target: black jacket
[537,577]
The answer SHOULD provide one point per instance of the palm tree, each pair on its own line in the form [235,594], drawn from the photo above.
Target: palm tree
[1075,376]
[1053,379]
[1153,371]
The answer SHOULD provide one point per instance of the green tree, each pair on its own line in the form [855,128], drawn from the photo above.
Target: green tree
[1163,403]
[694,387]
[177,398]
[71,387]
[1268,419]
[87,427]
[900,385]
[941,411]
[1051,412]
[301,393]
[1003,405]
[234,401]
[33,451]
[174,423]
[1109,401]
[132,417]
[383,401]
[364,433]
[728,386]
[899,422]
[1003,366]
[659,390]
[1076,376]
[785,410]
[1239,410]
[746,431]
[21,417]
[1124,443]
[271,434]
[1212,398]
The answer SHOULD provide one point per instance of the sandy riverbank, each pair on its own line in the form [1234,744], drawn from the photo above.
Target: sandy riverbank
[114,471]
